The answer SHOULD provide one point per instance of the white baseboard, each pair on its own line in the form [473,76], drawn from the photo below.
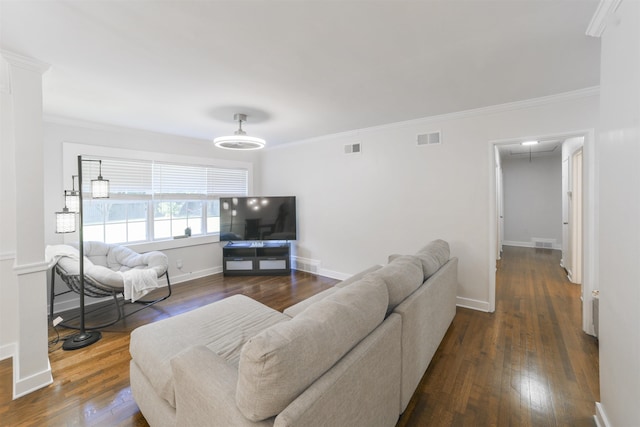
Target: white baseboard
[24,386]
[195,275]
[312,266]
[569,274]
[472,304]
[305,264]
[601,417]
[556,246]
[334,274]
[518,244]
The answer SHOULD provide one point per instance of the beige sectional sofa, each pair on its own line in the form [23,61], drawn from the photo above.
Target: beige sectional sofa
[349,356]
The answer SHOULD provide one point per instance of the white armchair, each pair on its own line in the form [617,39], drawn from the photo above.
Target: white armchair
[109,271]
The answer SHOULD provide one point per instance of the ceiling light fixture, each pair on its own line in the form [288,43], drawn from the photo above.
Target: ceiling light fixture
[529,143]
[239,140]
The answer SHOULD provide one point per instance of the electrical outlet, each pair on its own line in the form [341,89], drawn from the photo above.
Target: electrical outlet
[179,264]
[57,321]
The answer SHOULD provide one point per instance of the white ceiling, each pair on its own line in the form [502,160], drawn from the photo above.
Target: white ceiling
[299,69]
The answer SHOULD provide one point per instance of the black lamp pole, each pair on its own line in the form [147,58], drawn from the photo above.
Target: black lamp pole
[83,338]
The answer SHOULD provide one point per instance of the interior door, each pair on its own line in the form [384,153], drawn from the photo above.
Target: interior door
[575,222]
[500,211]
[499,204]
[566,200]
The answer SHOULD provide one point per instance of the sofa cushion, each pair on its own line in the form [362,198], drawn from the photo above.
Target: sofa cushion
[97,252]
[223,327]
[358,276]
[298,308]
[97,272]
[433,256]
[402,276]
[279,363]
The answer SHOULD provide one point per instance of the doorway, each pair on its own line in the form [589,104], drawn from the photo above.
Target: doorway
[579,215]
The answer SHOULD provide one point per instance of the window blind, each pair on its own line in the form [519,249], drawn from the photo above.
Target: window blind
[127,178]
[227,182]
[142,179]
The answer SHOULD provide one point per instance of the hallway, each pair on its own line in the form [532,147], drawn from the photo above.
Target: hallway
[527,364]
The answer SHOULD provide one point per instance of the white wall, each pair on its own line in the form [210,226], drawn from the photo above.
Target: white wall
[198,260]
[532,199]
[354,210]
[619,218]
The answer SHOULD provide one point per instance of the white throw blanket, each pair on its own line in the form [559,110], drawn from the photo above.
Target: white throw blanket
[138,283]
[53,253]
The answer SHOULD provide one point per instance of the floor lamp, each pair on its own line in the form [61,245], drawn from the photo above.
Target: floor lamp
[65,223]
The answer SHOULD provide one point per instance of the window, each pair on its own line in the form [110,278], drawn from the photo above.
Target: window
[172,218]
[153,200]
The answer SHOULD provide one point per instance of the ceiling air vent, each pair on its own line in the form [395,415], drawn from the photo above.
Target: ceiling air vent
[429,138]
[353,148]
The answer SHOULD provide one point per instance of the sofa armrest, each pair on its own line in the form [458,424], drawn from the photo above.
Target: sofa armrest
[426,316]
[361,390]
[205,388]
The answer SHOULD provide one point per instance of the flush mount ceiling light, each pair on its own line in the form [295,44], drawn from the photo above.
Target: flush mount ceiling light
[239,140]
[529,143]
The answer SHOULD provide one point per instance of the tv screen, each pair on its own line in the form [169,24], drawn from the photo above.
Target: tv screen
[257,218]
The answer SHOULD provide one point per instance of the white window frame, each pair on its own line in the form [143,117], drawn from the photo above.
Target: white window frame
[71,151]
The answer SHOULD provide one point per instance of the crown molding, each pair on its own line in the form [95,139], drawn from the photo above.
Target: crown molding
[24,62]
[600,19]
[493,109]
[5,79]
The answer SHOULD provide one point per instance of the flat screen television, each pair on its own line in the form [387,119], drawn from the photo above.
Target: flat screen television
[258,218]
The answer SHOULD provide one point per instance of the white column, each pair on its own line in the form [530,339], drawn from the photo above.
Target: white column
[25,141]
[618,24]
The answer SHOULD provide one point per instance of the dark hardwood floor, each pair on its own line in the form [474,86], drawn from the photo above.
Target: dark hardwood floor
[527,364]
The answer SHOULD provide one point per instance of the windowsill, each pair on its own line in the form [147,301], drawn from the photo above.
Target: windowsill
[175,243]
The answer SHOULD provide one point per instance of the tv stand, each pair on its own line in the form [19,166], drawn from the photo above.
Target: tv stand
[256,258]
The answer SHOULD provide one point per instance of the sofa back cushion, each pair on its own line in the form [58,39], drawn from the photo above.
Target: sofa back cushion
[279,363]
[358,276]
[433,256]
[402,276]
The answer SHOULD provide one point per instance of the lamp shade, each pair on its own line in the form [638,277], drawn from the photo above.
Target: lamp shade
[100,188]
[65,221]
[72,200]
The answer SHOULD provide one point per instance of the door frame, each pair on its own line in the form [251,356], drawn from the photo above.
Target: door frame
[590,250]
[576,215]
